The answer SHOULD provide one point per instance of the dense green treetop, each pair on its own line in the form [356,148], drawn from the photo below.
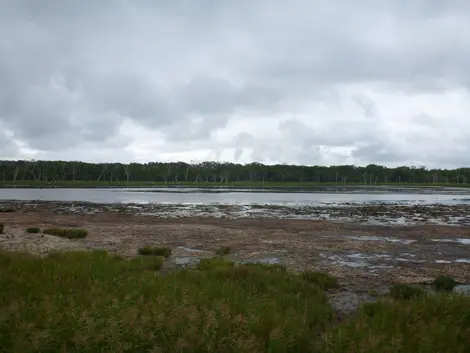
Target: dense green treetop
[222,173]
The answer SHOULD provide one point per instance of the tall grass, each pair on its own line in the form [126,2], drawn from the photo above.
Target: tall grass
[91,302]
[438,323]
[323,280]
[95,302]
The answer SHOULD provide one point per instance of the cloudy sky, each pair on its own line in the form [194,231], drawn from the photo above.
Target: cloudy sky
[274,81]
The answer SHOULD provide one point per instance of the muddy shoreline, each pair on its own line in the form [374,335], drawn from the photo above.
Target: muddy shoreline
[365,256]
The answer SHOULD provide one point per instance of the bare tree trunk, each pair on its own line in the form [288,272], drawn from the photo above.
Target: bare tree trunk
[364,176]
[126,171]
[103,173]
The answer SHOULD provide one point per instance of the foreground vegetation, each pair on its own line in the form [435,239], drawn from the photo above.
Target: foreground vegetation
[69,233]
[92,301]
[155,250]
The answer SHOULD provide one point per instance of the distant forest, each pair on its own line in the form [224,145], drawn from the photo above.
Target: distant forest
[229,173]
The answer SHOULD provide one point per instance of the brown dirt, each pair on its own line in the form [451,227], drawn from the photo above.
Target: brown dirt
[299,244]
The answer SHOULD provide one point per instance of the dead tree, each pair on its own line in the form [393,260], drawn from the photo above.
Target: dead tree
[127,172]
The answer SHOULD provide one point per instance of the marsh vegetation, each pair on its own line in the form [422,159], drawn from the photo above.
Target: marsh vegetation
[92,301]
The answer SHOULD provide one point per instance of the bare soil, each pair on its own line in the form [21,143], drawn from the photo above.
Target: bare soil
[299,244]
[405,254]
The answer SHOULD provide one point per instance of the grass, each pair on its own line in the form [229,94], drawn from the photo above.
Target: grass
[93,301]
[406,292]
[320,279]
[69,233]
[430,324]
[155,251]
[33,230]
[445,283]
[223,250]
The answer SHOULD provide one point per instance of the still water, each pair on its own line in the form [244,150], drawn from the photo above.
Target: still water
[263,197]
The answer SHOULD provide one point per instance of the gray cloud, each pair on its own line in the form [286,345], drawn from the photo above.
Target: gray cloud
[306,82]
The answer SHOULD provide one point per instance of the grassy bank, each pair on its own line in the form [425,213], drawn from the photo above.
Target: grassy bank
[91,302]
[142,184]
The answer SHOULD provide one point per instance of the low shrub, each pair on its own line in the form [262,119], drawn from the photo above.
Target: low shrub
[223,250]
[156,251]
[6,210]
[33,230]
[406,292]
[445,283]
[320,279]
[69,233]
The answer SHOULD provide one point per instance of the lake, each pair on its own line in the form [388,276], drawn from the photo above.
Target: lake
[313,197]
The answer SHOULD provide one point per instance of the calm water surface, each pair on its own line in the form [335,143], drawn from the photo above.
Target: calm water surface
[195,196]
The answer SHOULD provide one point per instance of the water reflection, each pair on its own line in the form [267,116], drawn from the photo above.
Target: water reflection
[228,197]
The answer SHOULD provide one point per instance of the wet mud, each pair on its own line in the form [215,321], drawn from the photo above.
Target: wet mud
[365,256]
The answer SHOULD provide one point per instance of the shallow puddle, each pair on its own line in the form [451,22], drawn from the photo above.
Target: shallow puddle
[464,261]
[352,260]
[192,250]
[463,289]
[465,241]
[371,261]
[264,260]
[377,238]
[186,261]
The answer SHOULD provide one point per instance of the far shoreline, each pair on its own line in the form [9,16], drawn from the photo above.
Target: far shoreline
[234,185]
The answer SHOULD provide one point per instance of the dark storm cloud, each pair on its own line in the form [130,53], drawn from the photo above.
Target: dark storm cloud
[73,71]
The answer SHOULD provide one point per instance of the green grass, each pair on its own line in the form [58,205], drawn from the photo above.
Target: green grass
[214,264]
[223,250]
[406,292]
[439,324]
[445,283]
[92,302]
[320,279]
[33,230]
[95,302]
[69,233]
[155,250]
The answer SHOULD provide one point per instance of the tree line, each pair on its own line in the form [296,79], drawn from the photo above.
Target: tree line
[223,173]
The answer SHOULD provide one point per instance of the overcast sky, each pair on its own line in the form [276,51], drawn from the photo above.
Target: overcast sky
[273,81]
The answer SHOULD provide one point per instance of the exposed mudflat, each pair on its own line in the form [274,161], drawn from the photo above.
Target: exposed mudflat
[364,255]
[367,213]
